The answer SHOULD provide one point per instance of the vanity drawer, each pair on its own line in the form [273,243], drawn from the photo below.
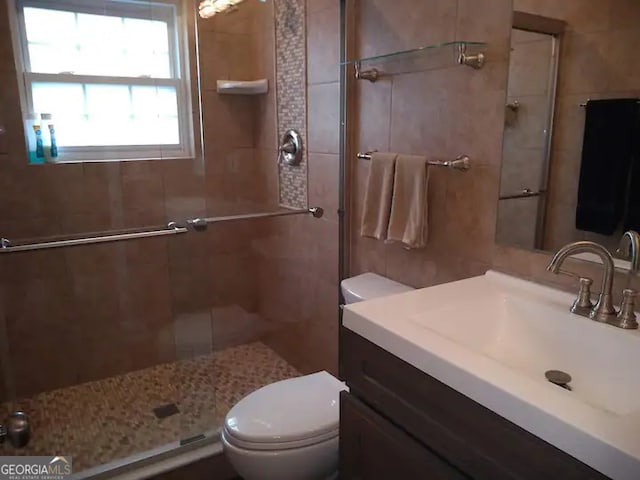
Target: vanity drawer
[464,433]
[372,448]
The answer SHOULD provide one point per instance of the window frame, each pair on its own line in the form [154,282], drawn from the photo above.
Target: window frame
[163,10]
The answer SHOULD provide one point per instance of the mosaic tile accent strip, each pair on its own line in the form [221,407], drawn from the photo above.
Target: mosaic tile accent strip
[111,419]
[291,84]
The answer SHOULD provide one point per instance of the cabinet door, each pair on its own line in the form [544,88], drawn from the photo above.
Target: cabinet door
[458,430]
[372,448]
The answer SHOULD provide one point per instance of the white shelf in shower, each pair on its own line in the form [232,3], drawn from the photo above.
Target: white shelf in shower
[241,87]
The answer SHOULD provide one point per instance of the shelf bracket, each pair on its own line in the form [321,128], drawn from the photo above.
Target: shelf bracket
[474,61]
[372,75]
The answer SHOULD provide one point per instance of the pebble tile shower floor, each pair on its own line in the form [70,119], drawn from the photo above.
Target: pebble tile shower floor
[106,420]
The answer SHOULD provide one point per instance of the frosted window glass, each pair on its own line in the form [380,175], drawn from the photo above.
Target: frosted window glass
[50,26]
[139,63]
[62,100]
[110,115]
[166,130]
[150,35]
[111,102]
[100,30]
[152,102]
[54,59]
[88,44]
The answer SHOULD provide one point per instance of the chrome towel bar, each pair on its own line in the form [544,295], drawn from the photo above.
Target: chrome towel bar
[461,162]
[171,229]
[201,223]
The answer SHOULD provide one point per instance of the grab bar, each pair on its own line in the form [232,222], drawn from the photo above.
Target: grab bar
[461,162]
[171,229]
[525,193]
[201,223]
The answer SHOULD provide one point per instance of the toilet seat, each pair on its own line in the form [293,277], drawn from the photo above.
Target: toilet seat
[292,413]
[276,446]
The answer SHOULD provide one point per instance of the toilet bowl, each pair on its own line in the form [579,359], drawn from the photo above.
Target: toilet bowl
[289,430]
[286,431]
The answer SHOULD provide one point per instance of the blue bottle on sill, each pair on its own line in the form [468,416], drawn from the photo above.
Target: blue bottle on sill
[50,147]
[36,142]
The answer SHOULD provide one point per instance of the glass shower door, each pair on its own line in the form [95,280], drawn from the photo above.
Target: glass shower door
[96,297]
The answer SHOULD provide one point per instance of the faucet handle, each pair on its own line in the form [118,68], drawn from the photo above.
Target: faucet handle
[627,316]
[583,304]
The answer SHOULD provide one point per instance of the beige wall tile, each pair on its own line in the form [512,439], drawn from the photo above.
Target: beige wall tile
[529,129]
[324,117]
[473,23]
[324,183]
[585,63]
[373,123]
[390,25]
[624,14]
[529,67]
[522,168]
[228,120]
[316,6]
[623,74]
[323,45]
[265,134]
[516,224]
[421,117]
[227,56]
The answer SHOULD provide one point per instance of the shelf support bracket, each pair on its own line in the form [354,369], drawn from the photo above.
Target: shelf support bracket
[372,75]
[474,61]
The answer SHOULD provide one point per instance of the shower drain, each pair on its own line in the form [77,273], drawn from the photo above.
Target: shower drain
[165,411]
[558,377]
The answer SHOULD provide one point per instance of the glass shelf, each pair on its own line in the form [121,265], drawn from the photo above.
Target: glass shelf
[458,44]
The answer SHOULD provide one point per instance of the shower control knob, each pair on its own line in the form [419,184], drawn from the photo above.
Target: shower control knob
[17,429]
[290,148]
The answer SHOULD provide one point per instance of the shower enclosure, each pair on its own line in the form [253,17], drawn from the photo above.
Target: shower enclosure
[166,262]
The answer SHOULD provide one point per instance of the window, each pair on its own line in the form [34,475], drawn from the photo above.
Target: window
[112,75]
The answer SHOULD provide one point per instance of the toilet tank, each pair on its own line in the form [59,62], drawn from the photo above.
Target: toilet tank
[368,286]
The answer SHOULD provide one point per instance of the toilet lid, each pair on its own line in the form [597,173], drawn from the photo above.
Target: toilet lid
[287,411]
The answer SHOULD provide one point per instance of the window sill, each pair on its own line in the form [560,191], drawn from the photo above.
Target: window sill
[108,160]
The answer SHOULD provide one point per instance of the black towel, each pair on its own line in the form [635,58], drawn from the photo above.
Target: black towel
[610,139]
[632,219]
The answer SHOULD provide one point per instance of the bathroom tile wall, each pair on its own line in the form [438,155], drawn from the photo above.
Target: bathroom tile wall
[73,315]
[442,110]
[299,274]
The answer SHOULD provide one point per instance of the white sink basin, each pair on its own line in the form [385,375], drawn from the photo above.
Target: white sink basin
[533,338]
[493,338]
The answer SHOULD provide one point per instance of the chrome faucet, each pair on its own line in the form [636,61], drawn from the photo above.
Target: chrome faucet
[603,311]
[630,247]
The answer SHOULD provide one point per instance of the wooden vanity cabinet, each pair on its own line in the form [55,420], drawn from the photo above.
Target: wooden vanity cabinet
[399,423]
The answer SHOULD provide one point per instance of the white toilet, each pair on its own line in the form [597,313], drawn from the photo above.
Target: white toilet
[289,430]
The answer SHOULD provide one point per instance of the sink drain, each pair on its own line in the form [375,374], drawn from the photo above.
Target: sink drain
[559,378]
